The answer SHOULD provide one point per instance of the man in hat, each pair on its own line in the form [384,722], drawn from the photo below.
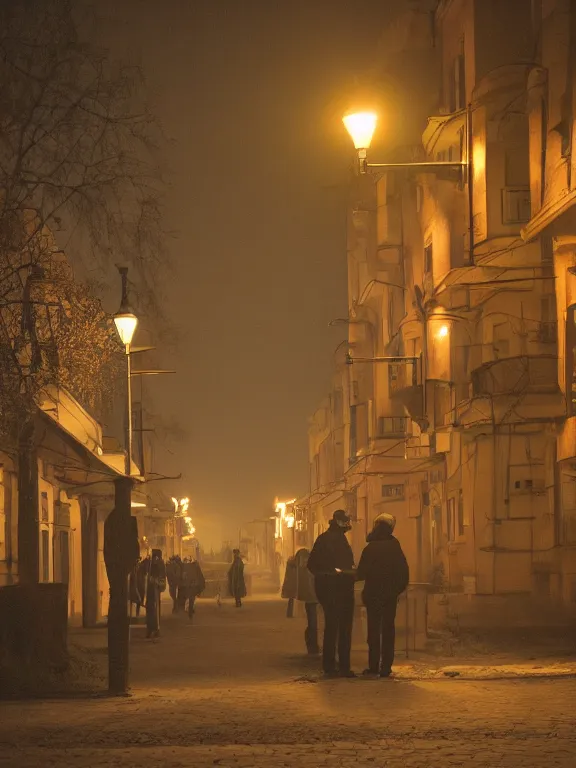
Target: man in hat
[332,564]
[384,571]
[236,581]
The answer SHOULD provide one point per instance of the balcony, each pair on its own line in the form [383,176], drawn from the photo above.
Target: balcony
[427,444]
[405,386]
[516,375]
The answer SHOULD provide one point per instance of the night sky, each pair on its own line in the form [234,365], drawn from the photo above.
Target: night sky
[250,93]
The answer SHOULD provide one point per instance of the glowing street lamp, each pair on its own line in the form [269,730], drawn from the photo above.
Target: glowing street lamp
[361,127]
[126,322]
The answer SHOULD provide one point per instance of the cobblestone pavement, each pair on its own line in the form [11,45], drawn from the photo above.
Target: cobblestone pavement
[230,689]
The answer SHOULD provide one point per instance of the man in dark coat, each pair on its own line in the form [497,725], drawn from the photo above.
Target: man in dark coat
[156,584]
[236,582]
[332,564]
[384,570]
[192,585]
[174,576]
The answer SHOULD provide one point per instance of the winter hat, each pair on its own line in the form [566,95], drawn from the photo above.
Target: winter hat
[385,518]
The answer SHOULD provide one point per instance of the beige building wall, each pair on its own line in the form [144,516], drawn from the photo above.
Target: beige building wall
[476,454]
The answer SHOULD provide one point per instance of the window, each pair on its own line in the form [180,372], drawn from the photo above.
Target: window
[44,516]
[456,519]
[458,81]
[391,324]
[461,517]
[393,492]
[437,530]
[391,425]
[516,205]
[565,126]
[45,550]
[500,341]
[428,259]
[547,329]
[529,485]
[543,142]
[353,433]
[436,476]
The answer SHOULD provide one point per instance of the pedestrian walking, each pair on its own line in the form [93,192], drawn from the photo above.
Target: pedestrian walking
[306,594]
[290,586]
[156,584]
[384,571]
[134,588]
[299,586]
[173,575]
[332,564]
[192,585]
[236,582]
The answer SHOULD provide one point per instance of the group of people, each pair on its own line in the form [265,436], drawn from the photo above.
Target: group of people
[186,582]
[327,576]
[149,578]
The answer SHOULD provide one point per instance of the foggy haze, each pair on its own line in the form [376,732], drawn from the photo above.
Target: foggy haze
[250,95]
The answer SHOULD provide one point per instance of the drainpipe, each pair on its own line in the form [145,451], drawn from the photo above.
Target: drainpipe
[424,364]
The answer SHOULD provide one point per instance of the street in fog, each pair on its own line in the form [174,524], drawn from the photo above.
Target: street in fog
[233,689]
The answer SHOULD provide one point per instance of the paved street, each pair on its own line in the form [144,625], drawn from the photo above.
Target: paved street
[232,689]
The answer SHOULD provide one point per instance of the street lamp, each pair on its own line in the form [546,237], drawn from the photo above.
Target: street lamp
[361,127]
[126,322]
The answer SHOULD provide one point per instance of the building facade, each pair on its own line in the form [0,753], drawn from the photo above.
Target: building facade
[454,406]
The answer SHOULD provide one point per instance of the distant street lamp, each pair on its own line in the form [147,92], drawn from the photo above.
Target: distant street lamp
[126,322]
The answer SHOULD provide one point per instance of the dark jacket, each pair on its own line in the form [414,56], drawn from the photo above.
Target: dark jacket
[331,550]
[382,567]
[192,579]
[236,582]
[290,585]
[298,581]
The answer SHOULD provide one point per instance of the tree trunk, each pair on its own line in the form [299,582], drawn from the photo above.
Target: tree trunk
[28,512]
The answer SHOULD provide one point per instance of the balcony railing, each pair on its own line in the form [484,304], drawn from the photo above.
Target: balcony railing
[516,374]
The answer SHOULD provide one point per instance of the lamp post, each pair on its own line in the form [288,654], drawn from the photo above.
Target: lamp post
[121,548]
[126,322]
[361,126]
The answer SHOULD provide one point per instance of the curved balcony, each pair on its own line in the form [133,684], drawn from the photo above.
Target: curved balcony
[514,375]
